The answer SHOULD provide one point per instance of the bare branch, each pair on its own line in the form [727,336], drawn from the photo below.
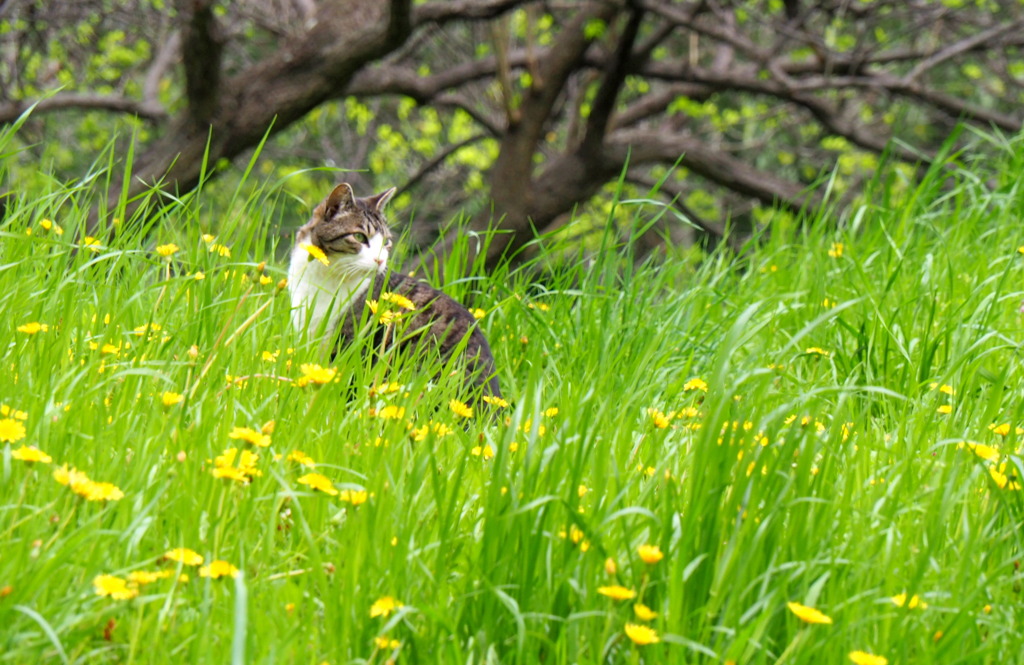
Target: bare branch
[960,47]
[604,101]
[448,10]
[437,160]
[74,100]
[165,57]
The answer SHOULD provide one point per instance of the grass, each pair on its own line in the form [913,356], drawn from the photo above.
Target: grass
[825,477]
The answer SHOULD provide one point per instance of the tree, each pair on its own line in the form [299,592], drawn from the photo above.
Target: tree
[750,101]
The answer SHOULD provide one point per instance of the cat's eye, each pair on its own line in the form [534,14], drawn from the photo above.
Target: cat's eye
[358,237]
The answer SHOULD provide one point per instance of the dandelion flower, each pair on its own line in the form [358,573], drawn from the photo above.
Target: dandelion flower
[318,482]
[987,453]
[1002,479]
[11,430]
[495,401]
[641,635]
[695,384]
[945,409]
[487,452]
[218,569]
[113,586]
[643,612]
[815,350]
[836,250]
[315,253]
[391,412]
[143,577]
[915,601]
[865,658]
[93,491]
[384,607]
[51,226]
[808,614]
[171,398]
[383,642]
[92,244]
[399,300]
[7,411]
[250,435]
[184,555]
[617,592]
[33,328]
[312,373]
[660,420]
[355,497]
[300,457]
[167,250]
[30,455]
[478,313]
[460,409]
[650,554]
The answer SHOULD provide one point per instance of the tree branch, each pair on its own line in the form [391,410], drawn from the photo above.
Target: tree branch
[63,101]
[202,45]
[604,101]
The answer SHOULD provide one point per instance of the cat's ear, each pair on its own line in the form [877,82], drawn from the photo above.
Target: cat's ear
[341,196]
[378,201]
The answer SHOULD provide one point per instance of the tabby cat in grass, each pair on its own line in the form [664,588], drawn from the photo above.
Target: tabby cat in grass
[338,270]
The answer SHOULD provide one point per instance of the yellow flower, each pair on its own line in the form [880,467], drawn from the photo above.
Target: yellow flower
[6,411]
[383,642]
[250,435]
[33,328]
[11,430]
[643,612]
[218,569]
[315,374]
[1004,429]
[660,420]
[609,566]
[93,491]
[945,409]
[143,577]
[384,606]
[355,497]
[808,614]
[222,250]
[836,251]
[113,586]
[641,635]
[915,601]
[315,253]
[199,276]
[865,658]
[318,482]
[91,243]
[486,451]
[399,300]
[815,350]
[184,555]
[987,453]
[391,412]
[478,313]
[617,592]
[50,225]
[551,412]
[167,250]
[495,401]
[460,409]
[301,458]
[1001,478]
[171,398]
[944,388]
[695,384]
[651,554]
[26,454]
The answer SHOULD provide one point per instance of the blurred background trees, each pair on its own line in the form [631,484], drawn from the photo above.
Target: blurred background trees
[732,114]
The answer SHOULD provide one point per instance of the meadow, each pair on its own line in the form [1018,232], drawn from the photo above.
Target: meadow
[803,452]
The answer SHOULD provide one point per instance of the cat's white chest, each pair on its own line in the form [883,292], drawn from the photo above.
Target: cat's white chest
[320,292]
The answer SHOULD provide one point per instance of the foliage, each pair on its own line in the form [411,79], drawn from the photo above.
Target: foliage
[769,421]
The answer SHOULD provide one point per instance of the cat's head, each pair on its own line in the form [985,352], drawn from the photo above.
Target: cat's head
[352,232]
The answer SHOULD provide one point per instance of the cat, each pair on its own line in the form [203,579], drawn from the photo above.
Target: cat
[338,270]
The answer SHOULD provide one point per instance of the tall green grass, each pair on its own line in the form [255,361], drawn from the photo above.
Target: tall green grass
[814,468]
